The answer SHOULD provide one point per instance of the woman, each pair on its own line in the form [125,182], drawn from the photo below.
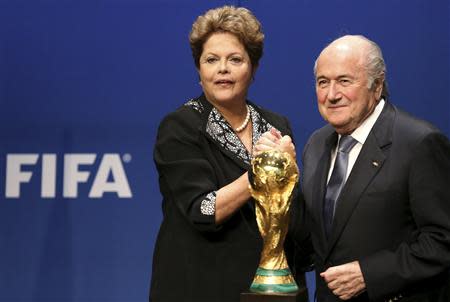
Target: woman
[208,247]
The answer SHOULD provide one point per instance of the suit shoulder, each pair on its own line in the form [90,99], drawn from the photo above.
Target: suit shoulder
[317,140]
[410,127]
[320,135]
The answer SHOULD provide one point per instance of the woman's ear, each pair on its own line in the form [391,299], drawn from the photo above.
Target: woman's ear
[254,68]
[199,78]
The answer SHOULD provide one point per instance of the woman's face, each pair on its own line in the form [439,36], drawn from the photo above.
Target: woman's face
[225,69]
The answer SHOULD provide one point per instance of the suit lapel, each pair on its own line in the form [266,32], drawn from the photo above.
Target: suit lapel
[320,182]
[362,174]
[369,162]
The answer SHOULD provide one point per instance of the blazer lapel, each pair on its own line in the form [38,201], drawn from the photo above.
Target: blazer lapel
[369,162]
[231,155]
[215,132]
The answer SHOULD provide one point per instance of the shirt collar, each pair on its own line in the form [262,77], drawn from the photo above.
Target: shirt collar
[362,132]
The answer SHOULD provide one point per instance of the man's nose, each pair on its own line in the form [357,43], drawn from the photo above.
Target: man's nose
[334,93]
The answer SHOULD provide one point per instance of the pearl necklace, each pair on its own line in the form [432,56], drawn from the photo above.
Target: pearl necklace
[245,123]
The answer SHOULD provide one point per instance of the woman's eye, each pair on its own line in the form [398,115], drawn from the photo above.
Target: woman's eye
[236,60]
[211,60]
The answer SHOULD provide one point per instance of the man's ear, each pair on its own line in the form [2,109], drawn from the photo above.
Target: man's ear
[378,83]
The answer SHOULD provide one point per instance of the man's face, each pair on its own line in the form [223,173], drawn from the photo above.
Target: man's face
[343,96]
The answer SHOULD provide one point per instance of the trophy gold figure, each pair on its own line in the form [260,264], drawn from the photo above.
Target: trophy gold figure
[272,179]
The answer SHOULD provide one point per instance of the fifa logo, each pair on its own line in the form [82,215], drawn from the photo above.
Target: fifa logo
[109,177]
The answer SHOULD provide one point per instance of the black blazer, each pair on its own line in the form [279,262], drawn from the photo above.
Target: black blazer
[194,259]
[393,214]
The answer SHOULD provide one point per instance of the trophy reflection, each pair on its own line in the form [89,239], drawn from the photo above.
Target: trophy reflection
[273,177]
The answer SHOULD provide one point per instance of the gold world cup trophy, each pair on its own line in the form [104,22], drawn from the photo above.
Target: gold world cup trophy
[272,179]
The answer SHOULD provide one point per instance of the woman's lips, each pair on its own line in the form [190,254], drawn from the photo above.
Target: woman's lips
[224,83]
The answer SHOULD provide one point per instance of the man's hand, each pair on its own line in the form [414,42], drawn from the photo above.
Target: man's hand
[345,281]
[272,140]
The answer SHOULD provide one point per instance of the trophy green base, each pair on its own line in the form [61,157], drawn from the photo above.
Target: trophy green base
[273,281]
[300,296]
[275,286]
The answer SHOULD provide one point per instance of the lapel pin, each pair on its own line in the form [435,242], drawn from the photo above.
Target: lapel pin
[375,163]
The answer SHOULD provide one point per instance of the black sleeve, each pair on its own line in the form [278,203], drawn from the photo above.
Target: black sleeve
[186,177]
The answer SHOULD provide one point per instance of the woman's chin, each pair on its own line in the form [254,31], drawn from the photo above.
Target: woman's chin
[226,98]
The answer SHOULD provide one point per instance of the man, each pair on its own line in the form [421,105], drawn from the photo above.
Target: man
[376,186]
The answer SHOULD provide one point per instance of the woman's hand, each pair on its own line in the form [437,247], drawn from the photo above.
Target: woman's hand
[272,140]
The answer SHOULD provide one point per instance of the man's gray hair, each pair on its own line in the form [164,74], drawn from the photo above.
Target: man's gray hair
[375,66]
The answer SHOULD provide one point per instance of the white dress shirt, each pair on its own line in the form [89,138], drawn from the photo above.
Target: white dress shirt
[360,134]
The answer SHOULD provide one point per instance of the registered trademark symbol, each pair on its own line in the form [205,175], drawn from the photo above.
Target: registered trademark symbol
[126,158]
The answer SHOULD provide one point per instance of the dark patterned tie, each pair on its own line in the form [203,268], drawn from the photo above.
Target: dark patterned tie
[337,180]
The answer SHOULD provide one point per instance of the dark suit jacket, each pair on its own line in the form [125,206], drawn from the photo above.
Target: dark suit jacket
[195,259]
[393,214]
